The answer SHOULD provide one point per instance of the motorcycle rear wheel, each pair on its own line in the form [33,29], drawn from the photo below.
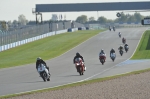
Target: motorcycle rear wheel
[48,79]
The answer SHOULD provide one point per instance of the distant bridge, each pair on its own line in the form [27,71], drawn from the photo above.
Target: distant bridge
[110,6]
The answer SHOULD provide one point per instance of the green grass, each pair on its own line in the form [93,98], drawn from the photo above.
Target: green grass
[143,50]
[46,48]
[77,84]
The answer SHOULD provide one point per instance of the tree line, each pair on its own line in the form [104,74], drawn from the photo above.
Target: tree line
[6,24]
[125,18]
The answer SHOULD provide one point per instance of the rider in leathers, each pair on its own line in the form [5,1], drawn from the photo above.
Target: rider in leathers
[112,51]
[109,28]
[39,61]
[78,56]
[125,45]
[120,48]
[119,34]
[123,39]
[114,28]
[102,52]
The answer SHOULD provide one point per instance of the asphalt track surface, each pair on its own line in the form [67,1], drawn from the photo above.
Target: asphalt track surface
[26,78]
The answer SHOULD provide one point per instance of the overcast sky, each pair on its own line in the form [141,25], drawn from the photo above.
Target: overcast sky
[11,9]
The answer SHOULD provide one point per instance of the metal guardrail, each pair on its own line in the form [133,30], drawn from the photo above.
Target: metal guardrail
[7,37]
[22,41]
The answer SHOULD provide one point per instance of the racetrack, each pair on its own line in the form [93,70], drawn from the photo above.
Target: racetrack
[25,78]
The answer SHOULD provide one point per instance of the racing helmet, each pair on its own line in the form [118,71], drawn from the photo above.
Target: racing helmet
[39,58]
[77,54]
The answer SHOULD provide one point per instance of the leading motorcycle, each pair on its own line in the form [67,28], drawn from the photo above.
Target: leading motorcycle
[102,58]
[43,72]
[80,66]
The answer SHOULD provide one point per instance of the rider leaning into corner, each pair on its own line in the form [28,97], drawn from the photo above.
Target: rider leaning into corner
[102,53]
[41,61]
[78,56]
[112,51]
[120,48]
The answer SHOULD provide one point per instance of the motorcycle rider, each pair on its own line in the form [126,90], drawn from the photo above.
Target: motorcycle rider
[112,51]
[114,28]
[39,61]
[101,53]
[125,45]
[123,39]
[119,34]
[79,56]
[110,28]
[120,48]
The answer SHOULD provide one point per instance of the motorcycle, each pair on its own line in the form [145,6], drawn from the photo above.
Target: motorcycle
[123,41]
[120,35]
[109,29]
[113,56]
[114,29]
[43,72]
[126,48]
[102,58]
[80,66]
[121,52]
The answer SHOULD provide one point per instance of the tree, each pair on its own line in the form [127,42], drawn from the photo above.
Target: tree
[22,19]
[109,21]
[116,20]
[91,19]
[9,23]
[82,19]
[131,19]
[15,23]
[3,25]
[138,17]
[123,18]
[102,19]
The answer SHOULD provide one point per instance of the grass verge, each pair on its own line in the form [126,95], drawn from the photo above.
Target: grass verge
[143,50]
[76,84]
[46,48]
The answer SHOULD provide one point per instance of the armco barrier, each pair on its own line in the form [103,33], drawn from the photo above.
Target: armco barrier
[14,44]
[72,29]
